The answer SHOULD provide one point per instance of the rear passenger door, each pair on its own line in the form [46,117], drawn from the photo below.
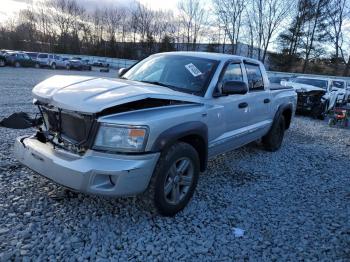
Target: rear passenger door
[259,99]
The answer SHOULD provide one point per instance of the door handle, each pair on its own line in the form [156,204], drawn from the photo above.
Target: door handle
[243,105]
[266,101]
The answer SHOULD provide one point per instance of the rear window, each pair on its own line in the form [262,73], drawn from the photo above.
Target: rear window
[42,56]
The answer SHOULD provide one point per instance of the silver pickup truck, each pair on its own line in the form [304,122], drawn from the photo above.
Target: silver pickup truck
[152,131]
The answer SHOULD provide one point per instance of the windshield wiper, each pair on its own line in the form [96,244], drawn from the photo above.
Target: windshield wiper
[159,84]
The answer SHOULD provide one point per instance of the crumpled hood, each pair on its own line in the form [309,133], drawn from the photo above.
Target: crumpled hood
[304,87]
[92,95]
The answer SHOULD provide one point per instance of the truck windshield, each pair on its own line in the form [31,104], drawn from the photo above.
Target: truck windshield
[313,82]
[181,73]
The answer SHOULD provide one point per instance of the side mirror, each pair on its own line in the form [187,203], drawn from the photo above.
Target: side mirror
[234,88]
[122,71]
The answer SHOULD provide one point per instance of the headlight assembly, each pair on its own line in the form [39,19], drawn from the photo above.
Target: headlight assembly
[121,138]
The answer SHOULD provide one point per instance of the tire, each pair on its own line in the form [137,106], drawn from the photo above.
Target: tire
[274,138]
[173,181]
[2,62]
[37,65]
[332,122]
[68,67]
[17,64]
[53,66]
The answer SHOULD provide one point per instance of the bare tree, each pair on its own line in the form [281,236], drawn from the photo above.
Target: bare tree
[337,15]
[265,18]
[229,14]
[315,28]
[192,17]
[66,15]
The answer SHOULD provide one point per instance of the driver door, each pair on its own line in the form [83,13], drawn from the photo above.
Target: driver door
[230,115]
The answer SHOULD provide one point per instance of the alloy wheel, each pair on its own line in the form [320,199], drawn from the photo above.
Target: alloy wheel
[178,180]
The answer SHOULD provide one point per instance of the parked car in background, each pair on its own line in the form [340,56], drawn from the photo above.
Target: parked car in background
[152,131]
[341,86]
[3,54]
[32,55]
[318,95]
[18,59]
[78,64]
[4,51]
[2,59]
[59,62]
[101,63]
[51,60]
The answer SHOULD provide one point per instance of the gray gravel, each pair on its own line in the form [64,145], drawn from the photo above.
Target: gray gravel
[292,204]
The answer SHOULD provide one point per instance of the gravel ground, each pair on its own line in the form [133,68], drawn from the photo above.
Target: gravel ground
[292,204]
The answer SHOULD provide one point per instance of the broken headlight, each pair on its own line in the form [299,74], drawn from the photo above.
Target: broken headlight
[121,138]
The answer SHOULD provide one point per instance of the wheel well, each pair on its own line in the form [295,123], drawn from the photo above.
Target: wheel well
[287,113]
[201,147]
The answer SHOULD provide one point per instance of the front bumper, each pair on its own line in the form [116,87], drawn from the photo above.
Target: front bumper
[95,172]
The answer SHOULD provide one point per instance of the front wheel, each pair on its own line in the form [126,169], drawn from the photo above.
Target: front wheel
[17,64]
[174,180]
[53,66]
[273,140]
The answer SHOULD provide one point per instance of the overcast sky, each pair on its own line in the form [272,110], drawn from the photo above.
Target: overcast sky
[10,7]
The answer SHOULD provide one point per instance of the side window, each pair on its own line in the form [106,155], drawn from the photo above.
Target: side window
[233,72]
[255,79]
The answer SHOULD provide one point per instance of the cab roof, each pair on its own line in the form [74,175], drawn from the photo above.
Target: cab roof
[213,56]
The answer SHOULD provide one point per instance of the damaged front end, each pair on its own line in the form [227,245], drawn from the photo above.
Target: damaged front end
[75,131]
[68,130]
[311,102]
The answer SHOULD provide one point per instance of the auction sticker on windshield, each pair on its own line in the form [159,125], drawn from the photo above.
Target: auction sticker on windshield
[193,69]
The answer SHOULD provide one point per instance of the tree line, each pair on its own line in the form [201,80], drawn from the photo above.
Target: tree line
[295,36]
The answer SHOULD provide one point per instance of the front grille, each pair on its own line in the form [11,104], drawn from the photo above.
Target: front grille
[71,127]
[307,100]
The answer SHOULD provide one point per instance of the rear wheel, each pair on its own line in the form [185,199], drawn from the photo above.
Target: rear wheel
[2,62]
[332,122]
[174,180]
[17,64]
[68,67]
[37,65]
[53,66]
[273,140]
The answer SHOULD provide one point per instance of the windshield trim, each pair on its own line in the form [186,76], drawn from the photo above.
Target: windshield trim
[179,89]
